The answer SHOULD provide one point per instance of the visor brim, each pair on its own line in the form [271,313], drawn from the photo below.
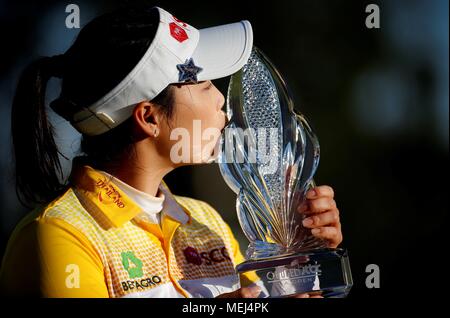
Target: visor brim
[223,50]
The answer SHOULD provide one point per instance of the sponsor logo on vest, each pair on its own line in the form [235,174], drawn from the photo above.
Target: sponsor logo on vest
[108,194]
[217,255]
[143,283]
[299,272]
[133,266]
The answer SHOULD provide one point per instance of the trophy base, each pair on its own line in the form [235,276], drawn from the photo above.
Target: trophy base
[325,272]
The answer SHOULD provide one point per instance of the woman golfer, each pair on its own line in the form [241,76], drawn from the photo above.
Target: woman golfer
[115,229]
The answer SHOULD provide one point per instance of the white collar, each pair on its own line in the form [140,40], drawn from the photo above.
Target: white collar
[151,205]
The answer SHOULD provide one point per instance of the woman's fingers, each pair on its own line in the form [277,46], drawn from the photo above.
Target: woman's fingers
[306,295]
[320,205]
[322,219]
[330,233]
[320,191]
[244,292]
[318,199]
[322,215]
[299,296]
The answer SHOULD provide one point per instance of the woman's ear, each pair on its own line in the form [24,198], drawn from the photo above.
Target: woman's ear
[147,118]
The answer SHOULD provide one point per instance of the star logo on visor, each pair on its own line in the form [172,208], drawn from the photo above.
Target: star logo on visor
[188,71]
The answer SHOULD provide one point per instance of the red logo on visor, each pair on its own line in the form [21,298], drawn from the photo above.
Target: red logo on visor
[177,32]
[183,24]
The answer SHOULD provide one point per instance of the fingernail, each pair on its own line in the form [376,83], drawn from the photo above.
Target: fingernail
[311,194]
[307,222]
[315,231]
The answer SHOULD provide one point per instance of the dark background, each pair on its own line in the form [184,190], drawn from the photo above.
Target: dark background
[378,99]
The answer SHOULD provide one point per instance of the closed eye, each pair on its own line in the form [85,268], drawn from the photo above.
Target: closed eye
[209,85]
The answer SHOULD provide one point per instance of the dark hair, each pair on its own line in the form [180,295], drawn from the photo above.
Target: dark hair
[105,51]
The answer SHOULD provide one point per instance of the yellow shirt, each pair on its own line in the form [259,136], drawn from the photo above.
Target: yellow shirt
[94,241]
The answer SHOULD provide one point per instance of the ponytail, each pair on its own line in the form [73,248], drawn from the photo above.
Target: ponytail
[37,165]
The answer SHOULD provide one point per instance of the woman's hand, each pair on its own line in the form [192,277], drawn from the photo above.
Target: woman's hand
[322,215]
[254,291]
[243,292]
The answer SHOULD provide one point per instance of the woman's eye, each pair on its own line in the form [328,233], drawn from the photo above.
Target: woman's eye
[209,86]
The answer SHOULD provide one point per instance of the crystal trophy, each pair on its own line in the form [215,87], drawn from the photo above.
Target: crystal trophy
[268,156]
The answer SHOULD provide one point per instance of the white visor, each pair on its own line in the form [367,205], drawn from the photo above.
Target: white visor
[179,53]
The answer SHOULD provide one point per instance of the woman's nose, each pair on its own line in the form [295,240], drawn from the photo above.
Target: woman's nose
[221,102]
